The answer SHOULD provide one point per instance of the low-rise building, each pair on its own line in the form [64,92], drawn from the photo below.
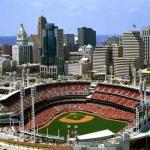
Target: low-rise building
[49,71]
[146,75]
[5,65]
[77,68]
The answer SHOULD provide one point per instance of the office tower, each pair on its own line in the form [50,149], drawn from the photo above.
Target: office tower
[69,41]
[102,59]
[41,25]
[59,50]
[145,34]
[22,53]
[133,47]
[36,52]
[123,67]
[133,55]
[33,40]
[117,51]
[52,56]
[49,52]
[86,36]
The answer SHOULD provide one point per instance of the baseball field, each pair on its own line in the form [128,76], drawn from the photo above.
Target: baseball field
[85,123]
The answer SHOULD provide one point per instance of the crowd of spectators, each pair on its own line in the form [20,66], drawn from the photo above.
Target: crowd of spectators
[49,114]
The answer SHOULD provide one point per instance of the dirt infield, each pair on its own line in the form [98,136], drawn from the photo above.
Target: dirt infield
[85,119]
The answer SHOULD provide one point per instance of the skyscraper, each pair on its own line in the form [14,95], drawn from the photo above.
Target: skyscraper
[52,55]
[41,25]
[133,55]
[49,45]
[69,41]
[86,36]
[133,47]
[145,33]
[102,58]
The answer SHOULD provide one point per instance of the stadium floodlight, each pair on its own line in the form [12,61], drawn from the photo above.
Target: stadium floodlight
[140,74]
[10,120]
[33,95]
[37,129]
[28,73]
[58,133]
[141,92]
[144,88]
[47,132]
[68,133]
[75,132]
[111,73]
[22,95]
[137,119]
[105,70]
[14,80]
[140,86]
[134,77]
[10,81]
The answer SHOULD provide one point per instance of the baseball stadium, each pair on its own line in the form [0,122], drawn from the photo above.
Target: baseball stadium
[73,112]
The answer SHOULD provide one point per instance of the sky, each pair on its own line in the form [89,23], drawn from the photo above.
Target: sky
[107,17]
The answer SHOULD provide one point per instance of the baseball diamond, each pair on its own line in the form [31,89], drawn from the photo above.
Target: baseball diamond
[87,123]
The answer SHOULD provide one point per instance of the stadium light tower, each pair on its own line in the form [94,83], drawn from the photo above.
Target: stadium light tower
[28,73]
[14,80]
[140,75]
[111,74]
[10,81]
[137,119]
[144,88]
[145,101]
[22,95]
[141,92]
[23,77]
[134,77]
[33,95]
[68,133]
[105,70]
[76,133]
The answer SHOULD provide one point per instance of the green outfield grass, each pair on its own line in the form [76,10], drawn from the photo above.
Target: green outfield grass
[96,124]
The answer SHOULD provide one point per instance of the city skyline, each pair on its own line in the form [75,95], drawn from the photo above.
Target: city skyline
[104,16]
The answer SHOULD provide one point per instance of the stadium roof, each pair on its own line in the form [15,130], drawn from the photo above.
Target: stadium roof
[141,135]
[96,135]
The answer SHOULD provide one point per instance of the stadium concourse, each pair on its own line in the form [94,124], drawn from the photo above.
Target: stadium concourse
[106,100]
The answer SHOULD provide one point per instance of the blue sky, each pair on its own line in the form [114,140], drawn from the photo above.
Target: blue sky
[105,16]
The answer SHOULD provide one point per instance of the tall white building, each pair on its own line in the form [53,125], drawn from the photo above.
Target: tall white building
[123,67]
[133,47]
[145,34]
[102,57]
[133,55]
[22,52]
